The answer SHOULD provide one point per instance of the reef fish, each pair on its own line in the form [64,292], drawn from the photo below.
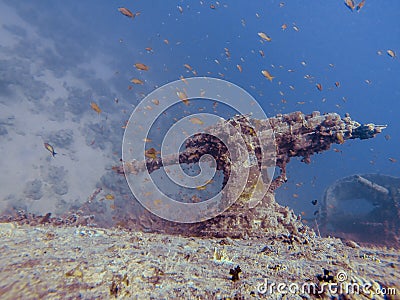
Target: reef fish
[264,36]
[391,53]
[197,121]
[109,197]
[151,153]
[350,4]
[189,67]
[136,81]
[141,66]
[95,107]
[50,148]
[183,97]
[126,12]
[267,75]
[360,5]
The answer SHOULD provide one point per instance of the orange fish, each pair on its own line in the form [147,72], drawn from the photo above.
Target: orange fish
[261,53]
[284,26]
[126,12]
[227,53]
[264,36]
[141,66]
[239,68]
[183,97]
[319,86]
[148,49]
[136,81]
[337,83]
[267,75]
[360,5]
[187,66]
[197,121]
[349,4]
[95,107]
[50,149]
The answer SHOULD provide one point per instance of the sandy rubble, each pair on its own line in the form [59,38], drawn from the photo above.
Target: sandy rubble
[61,262]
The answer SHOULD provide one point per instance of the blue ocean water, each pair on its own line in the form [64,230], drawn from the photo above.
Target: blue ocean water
[58,57]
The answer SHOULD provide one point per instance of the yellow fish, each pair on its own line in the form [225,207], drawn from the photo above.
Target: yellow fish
[50,149]
[201,188]
[267,75]
[151,153]
[109,197]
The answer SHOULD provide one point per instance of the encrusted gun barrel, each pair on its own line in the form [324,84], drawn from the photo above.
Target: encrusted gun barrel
[293,135]
[296,135]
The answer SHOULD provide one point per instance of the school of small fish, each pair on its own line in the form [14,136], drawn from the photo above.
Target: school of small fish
[227,59]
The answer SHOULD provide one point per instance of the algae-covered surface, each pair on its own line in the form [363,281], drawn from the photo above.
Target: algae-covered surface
[59,262]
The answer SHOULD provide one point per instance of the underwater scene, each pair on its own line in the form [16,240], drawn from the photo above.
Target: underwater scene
[200,149]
